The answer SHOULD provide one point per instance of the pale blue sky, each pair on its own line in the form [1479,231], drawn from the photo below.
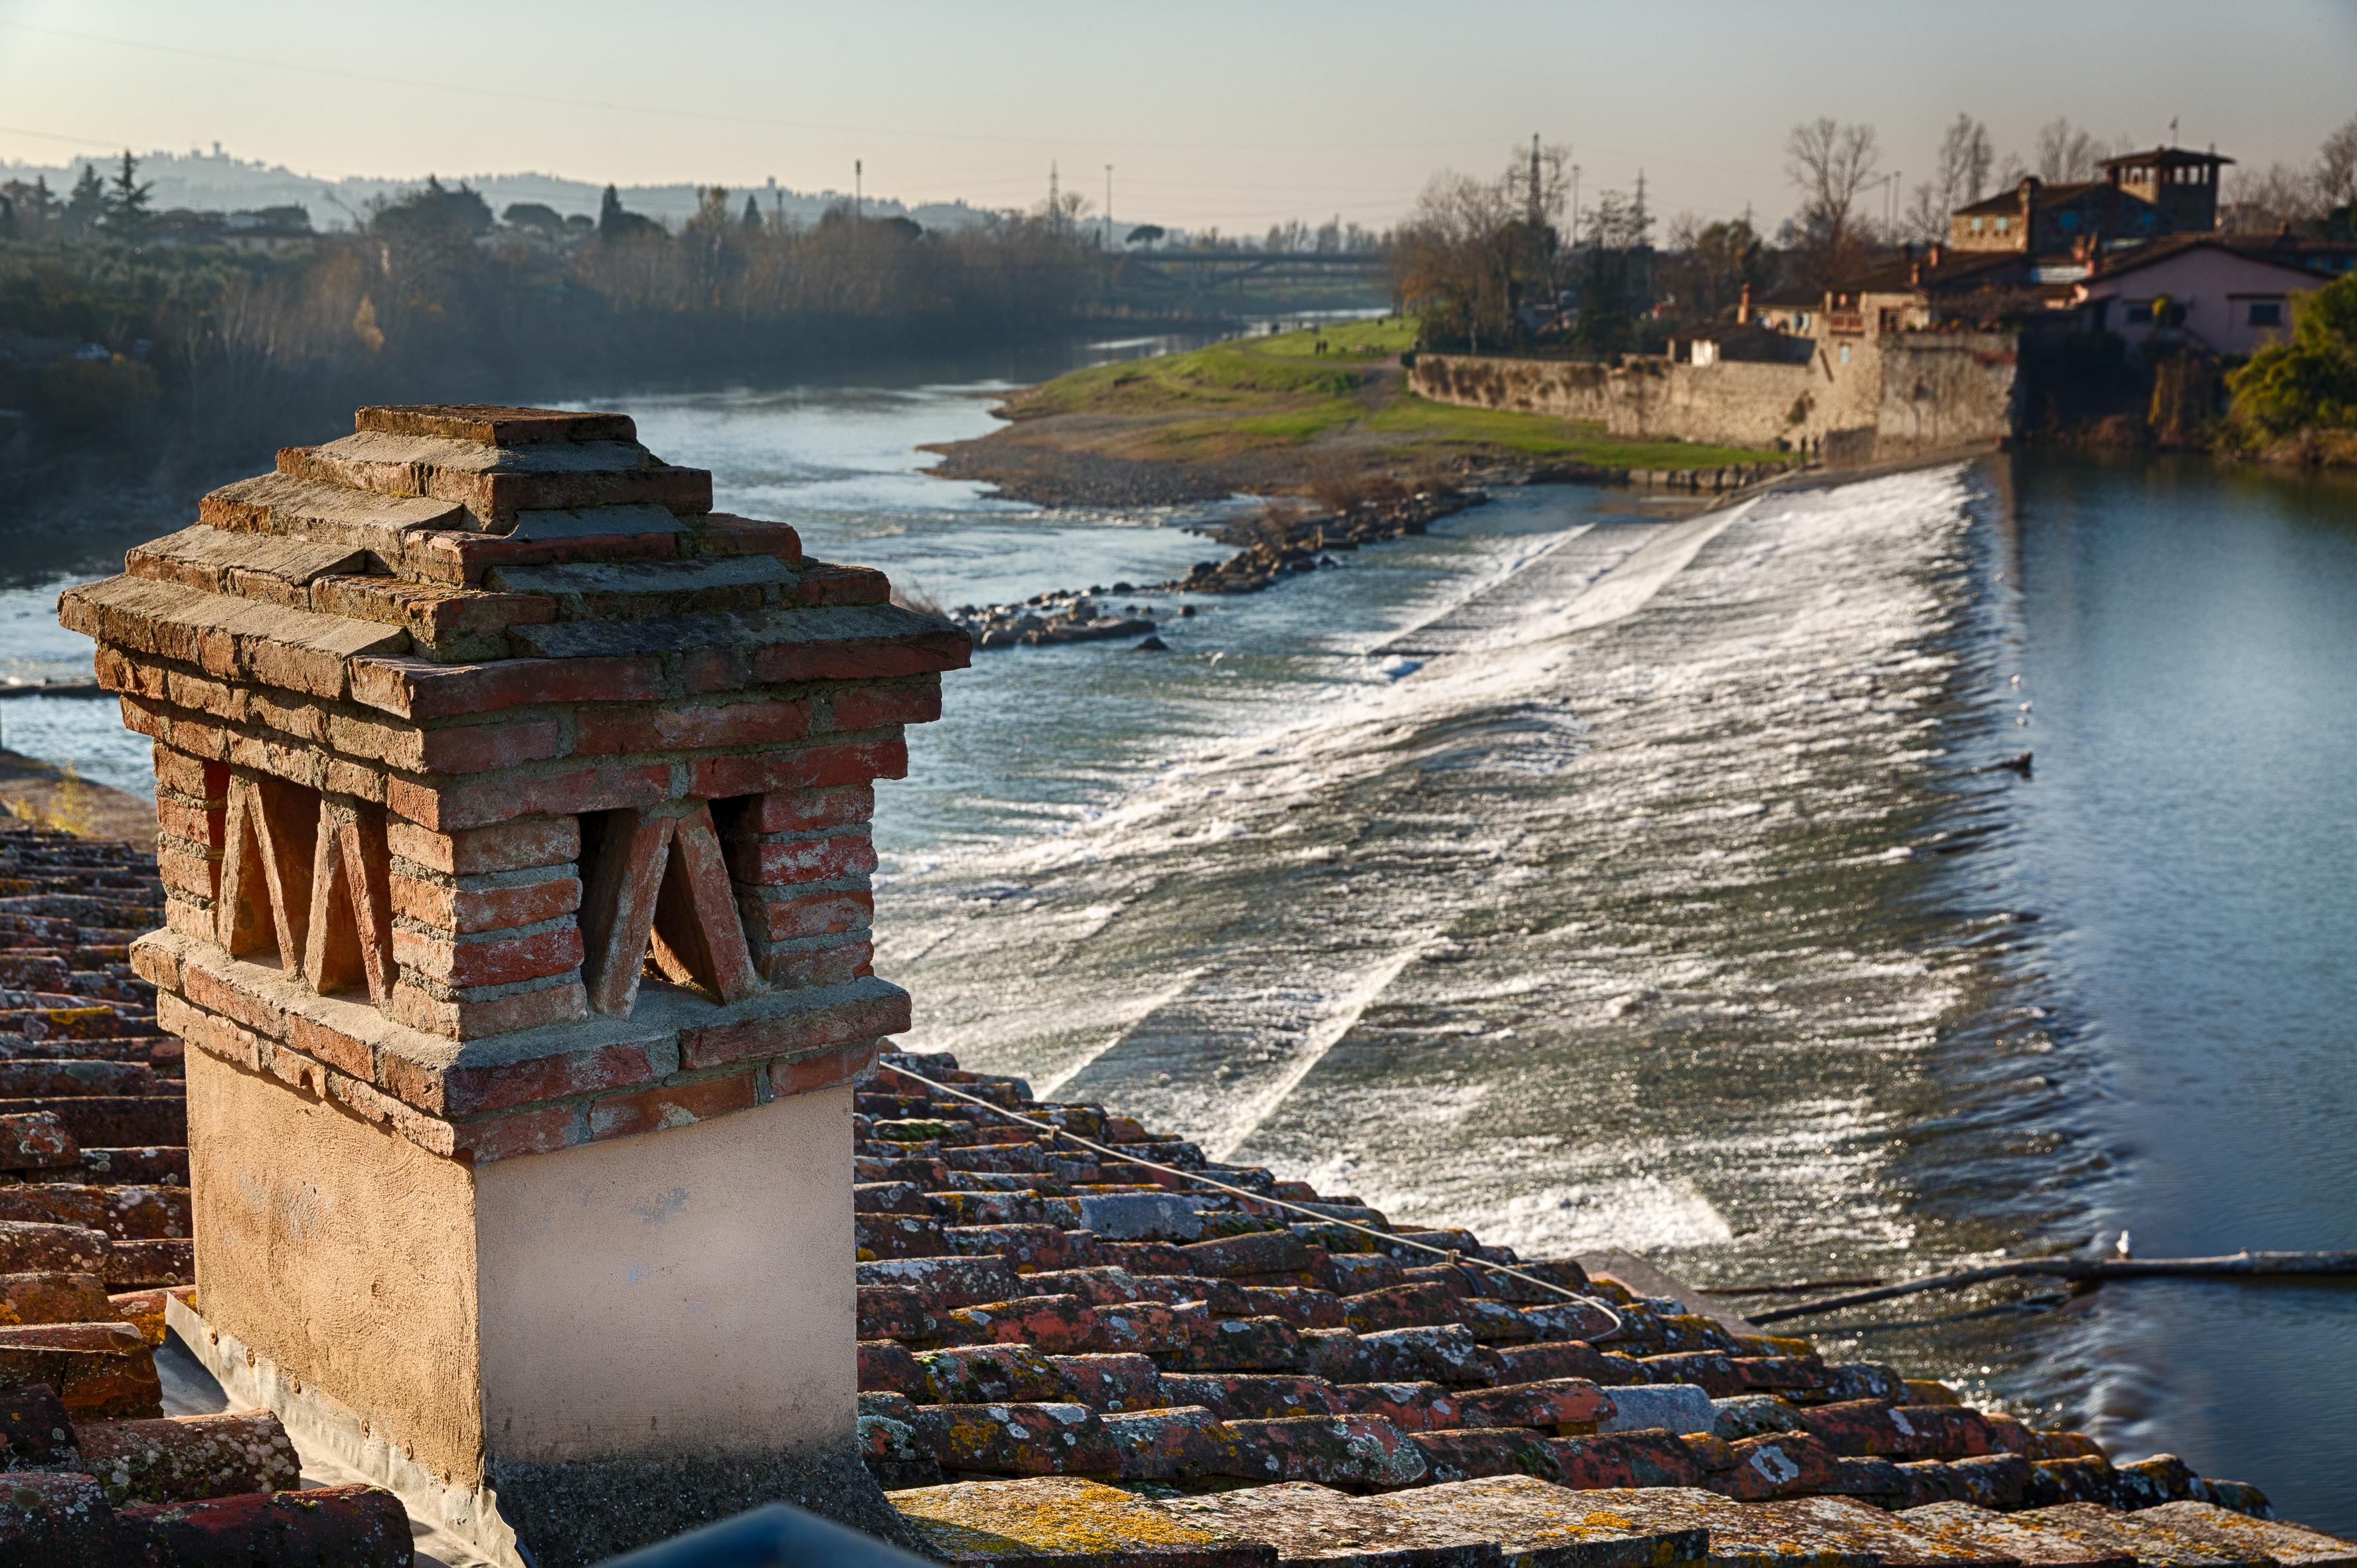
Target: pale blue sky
[1212,111]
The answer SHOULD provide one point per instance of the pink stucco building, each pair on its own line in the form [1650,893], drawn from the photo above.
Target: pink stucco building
[2226,298]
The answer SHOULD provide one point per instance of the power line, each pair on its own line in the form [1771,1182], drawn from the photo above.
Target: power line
[54,137]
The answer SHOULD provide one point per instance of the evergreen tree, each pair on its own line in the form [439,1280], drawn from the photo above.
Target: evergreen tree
[127,202]
[614,223]
[752,216]
[86,203]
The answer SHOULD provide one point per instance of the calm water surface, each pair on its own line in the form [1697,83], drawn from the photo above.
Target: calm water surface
[1590,877]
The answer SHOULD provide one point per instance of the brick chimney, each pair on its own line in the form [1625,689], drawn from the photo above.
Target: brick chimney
[513,818]
[1743,307]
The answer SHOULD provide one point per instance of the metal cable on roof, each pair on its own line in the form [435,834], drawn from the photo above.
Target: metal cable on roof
[1126,1157]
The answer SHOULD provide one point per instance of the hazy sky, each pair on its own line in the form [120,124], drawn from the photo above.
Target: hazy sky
[1212,112]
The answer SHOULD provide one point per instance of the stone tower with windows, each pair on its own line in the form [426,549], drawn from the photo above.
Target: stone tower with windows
[512,812]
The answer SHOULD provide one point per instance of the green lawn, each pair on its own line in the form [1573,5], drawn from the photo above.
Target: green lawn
[1279,390]
[1344,340]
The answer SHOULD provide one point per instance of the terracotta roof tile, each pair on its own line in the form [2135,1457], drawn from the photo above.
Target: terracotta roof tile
[92,1138]
[1310,1352]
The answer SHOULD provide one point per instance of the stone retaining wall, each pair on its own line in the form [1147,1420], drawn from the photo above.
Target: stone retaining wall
[1856,399]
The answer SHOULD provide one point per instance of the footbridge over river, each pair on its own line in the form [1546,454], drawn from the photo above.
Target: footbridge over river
[1200,272]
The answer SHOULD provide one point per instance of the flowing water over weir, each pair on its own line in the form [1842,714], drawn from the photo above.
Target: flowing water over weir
[1619,916]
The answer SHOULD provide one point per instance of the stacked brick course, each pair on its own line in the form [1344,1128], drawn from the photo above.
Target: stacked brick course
[467,722]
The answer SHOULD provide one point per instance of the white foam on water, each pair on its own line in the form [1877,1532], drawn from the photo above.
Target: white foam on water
[1573,824]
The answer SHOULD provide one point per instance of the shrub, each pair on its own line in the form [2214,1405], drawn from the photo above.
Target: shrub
[2310,381]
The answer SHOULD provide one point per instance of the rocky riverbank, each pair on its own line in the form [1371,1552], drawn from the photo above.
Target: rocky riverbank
[1277,541]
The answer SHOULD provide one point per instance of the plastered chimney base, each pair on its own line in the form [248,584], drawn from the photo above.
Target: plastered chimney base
[618,1342]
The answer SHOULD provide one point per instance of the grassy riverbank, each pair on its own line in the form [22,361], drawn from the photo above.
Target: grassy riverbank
[1269,415]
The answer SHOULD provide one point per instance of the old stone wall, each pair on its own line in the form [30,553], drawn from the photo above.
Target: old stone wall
[1941,389]
[1855,398]
[1567,388]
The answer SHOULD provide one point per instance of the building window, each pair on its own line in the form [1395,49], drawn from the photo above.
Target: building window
[2267,312]
[2067,220]
[1976,225]
[2003,224]
[2139,311]
[1845,353]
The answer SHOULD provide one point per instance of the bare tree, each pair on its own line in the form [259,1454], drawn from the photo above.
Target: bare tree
[1474,251]
[1961,178]
[2262,199]
[2067,155]
[2336,167]
[1453,259]
[1966,155]
[1829,164]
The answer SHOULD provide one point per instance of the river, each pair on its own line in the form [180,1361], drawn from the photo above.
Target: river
[1586,876]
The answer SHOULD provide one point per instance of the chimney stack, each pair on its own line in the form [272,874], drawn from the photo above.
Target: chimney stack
[1743,307]
[513,812]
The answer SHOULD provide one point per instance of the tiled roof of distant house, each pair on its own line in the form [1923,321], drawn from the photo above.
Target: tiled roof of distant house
[2165,157]
[2289,254]
[1953,270]
[2009,198]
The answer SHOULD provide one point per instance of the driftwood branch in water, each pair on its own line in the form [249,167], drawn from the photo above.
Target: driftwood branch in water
[2241,1265]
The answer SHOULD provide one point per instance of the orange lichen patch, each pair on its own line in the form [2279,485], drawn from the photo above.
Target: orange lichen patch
[1307,1522]
[1895,1542]
[52,1298]
[1052,1522]
[143,1310]
[1525,1515]
[2293,1545]
[1740,1537]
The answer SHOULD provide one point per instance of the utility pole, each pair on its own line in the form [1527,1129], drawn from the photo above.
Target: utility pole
[1108,223]
[858,171]
[1055,201]
[1575,205]
[1535,182]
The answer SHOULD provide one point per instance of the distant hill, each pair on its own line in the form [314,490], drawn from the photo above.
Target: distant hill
[218,182]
